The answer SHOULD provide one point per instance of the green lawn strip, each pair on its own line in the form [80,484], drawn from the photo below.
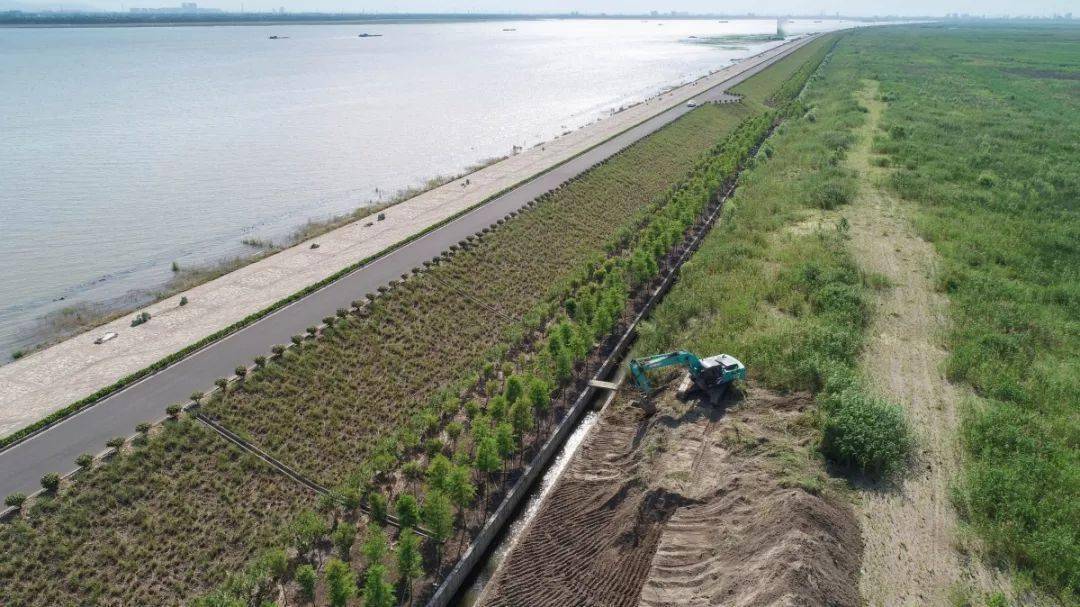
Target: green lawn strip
[166,521]
[982,133]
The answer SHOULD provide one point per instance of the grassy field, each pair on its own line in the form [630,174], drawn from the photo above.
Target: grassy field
[982,134]
[436,390]
[166,521]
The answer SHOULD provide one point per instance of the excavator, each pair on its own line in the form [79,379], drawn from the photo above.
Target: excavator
[711,375]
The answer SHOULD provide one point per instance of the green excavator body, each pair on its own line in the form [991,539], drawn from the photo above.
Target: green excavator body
[708,374]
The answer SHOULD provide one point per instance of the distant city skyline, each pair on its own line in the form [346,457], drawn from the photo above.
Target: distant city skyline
[1043,8]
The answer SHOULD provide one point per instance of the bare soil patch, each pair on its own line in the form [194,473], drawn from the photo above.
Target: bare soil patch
[693,505]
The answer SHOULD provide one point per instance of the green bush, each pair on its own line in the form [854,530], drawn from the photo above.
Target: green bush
[865,433]
[377,504]
[15,499]
[306,578]
[831,194]
[340,583]
[343,538]
[50,482]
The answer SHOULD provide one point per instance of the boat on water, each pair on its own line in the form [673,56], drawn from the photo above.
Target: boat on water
[279,37]
[509,29]
[367,35]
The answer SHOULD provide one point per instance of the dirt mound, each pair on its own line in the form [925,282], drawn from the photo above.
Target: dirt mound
[688,507]
[756,544]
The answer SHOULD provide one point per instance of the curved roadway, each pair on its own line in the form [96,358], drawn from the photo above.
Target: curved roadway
[55,449]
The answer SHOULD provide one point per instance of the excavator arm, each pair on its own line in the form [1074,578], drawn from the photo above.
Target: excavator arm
[639,366]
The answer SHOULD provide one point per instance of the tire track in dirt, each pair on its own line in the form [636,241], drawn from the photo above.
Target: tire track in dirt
[910,529]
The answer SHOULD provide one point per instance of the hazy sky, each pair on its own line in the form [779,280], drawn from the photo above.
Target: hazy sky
[849,7]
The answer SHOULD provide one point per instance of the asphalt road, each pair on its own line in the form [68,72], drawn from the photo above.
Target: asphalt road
[55,449]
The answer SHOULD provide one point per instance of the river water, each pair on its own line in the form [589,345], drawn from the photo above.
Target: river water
[123,150]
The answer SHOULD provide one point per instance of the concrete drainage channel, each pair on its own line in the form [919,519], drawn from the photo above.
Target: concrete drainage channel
[475,556]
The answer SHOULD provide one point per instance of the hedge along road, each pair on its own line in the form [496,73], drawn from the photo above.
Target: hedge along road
[55,448]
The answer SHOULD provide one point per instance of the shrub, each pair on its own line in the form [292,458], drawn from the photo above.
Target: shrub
[408,512]
[340,582]
[343,538]
[409,559]
[141,318]
[50,482]
[15,499]
[115,442]
[349,499]
[832,194]
[454,430]
[276,562]
[183,300]
[142,427]
[84,461]
[377,591]
[240,371]
[377,505]
[306,531]
[864,432]
[375,545]
[260,361]
[306,578]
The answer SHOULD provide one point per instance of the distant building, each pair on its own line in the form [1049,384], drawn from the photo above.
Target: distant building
[185,8]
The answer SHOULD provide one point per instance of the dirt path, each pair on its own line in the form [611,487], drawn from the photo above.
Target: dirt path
[910,531]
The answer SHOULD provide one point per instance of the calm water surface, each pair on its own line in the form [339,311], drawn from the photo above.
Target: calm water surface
[125,149]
